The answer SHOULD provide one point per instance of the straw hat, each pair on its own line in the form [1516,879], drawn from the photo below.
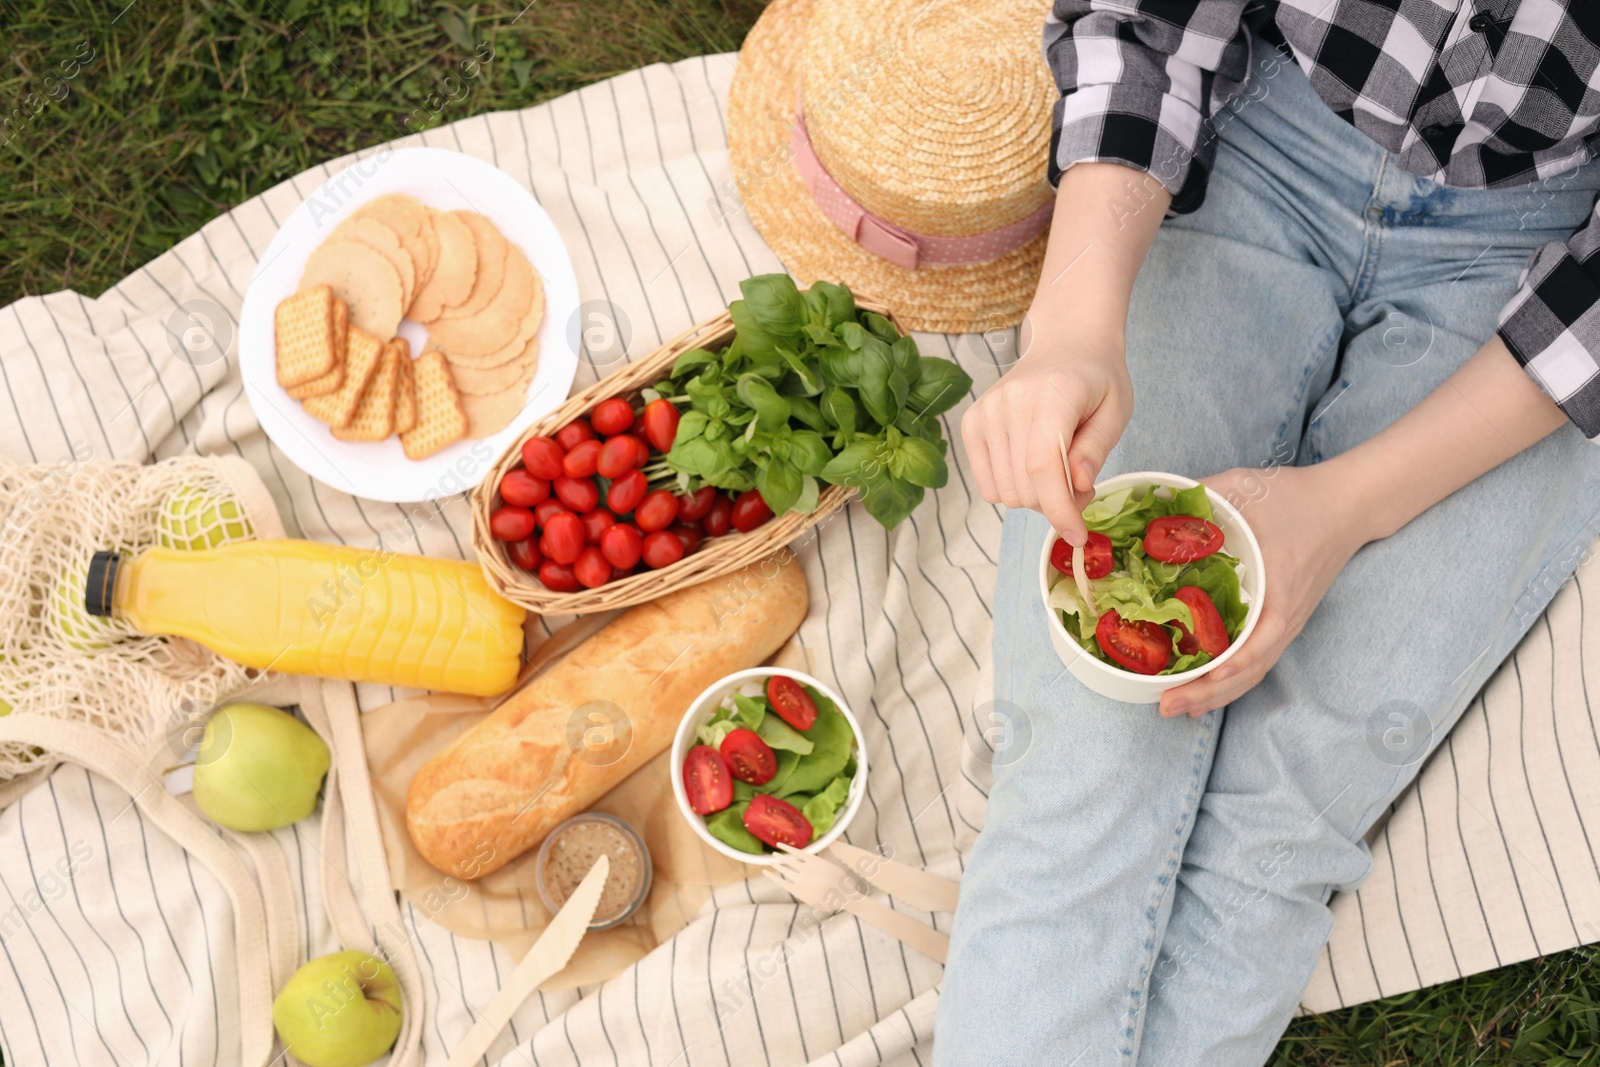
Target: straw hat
[921,127]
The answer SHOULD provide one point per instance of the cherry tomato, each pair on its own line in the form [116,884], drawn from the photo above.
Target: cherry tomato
[749,758]
[547,508]
[1210,635]
[693,508]
[592,569]
[611,417]
[558,577]
[621,545]
[641,451]
[656,511]
[510,523]
[776,822]
[660,424]
[707,780]
[626,492]
[1142,647]
[1096,556]
[719,520]
[563,538]
[524,554]
[595,523]
[542,456]
[689,534]
[1180,539]
[522,489]
[581,459]
[574,433]
[661,549]
[749,511]
[792,703]
[579,494]
[618,456]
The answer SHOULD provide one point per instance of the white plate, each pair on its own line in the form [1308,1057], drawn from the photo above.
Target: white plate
[379,470]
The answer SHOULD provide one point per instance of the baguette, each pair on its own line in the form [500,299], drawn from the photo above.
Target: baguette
[596,715]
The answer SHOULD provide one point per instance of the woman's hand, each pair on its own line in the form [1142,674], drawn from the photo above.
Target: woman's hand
[1306,523]
[1070,385]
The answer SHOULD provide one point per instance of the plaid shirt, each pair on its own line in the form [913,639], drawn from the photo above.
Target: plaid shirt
[1471,93]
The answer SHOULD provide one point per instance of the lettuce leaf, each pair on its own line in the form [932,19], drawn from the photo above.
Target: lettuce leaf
[831,739]
[727,826]
[820,810]
[780,736]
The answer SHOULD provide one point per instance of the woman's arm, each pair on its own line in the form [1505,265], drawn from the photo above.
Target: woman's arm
[1071,379]
[1311,520]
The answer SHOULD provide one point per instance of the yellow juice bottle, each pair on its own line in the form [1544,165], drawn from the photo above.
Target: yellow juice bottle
[307,608]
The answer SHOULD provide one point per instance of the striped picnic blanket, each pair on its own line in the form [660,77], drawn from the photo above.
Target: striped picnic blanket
[116,949]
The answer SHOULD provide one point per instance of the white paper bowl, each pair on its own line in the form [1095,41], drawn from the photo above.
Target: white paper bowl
[706,704]
[1126,686]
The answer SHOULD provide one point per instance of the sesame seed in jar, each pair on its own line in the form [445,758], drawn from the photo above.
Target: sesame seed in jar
[572,849]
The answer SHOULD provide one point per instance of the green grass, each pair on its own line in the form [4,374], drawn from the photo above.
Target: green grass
[187,108]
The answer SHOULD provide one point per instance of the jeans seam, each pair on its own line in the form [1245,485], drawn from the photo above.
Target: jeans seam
[1163,886]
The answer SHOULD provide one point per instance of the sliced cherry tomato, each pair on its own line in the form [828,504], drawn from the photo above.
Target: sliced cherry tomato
[707,780]
[582,459]
[558,577]
[749,758]
[792,703]
[1180,539]
[749,511]
[563,538]
[611,417]
[1142,647]
[1210,635]
[661,549]
[595,523]
[661,423]
[573,433]
[523,489]
[510,523]
[1096,556]
[622,545]
[719,520]
[626,492]
[693,508]
[618,456]
[542,456]
[579,494]
[524,554]
[656,511]
[546,508]
[592,569]
[688,533]
[777,822]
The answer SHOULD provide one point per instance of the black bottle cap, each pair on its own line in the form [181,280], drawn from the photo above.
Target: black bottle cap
[102,582]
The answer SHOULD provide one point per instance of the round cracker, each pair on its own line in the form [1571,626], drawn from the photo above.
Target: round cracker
[514,373]
[527,330]
[364,279]
[430,241]
[369,231]
[488,415]
[453,276]
[492,248]
[499,323]
[402,214]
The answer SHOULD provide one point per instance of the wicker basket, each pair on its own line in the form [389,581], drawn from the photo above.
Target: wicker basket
[716,556]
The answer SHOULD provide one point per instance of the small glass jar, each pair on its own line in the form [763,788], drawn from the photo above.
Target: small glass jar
[571,849]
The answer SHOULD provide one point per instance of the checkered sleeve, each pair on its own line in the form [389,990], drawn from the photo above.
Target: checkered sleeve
[1552,324]
[1139,81]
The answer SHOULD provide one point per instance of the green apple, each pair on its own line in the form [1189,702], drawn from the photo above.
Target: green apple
[259,768]
[192,519]
[339,1010]
[71,619]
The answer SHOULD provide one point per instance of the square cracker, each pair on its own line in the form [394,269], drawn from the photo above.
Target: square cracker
[327,383]
[441,420]
[361,354]
[308,346]
[405,403]
[374,416]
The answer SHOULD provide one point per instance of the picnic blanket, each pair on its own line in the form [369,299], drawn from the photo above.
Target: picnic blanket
[116,949]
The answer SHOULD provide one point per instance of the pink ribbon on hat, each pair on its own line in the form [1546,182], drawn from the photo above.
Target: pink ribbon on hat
[898,245]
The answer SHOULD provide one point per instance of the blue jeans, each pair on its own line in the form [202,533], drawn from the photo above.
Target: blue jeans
[1155,891]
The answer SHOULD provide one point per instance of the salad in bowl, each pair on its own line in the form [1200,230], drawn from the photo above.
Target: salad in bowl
[1170,583]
